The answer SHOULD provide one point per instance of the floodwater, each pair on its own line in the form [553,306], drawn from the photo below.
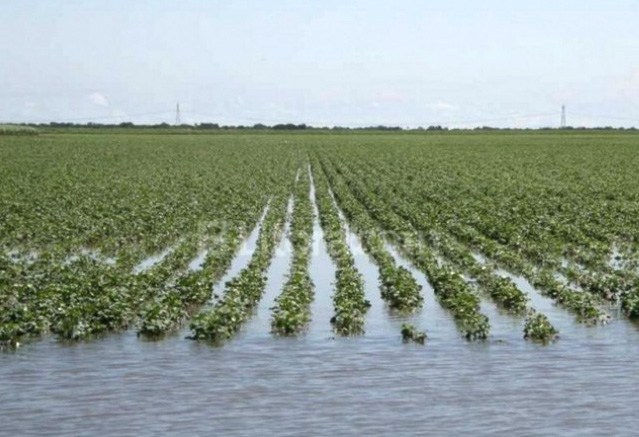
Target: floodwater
[197,263]
[152,260]
[258,384]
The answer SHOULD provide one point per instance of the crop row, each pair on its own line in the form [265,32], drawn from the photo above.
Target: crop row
[80,296]
[78,212]
[398,287]
[449,285]
[292,313]
[501,289]
[526,257]
[584,305]
[224,319]
[126,196]
[349,299]
[176,299]
[616,286]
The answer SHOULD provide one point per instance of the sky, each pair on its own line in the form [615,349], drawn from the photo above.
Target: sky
[326,62]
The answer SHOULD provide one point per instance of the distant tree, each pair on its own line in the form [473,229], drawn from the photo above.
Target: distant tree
[289,126]
[208,126]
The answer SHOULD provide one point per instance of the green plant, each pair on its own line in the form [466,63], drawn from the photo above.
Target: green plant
[410,333]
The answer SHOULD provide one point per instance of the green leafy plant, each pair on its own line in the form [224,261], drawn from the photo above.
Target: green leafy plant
[539,329]
[411,333]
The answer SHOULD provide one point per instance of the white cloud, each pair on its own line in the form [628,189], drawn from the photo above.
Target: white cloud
[98,99]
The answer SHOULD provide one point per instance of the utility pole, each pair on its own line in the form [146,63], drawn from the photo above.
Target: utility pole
[563,116]
[177,115]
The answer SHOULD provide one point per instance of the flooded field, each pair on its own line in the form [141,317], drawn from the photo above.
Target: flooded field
[258,384]
[279,284]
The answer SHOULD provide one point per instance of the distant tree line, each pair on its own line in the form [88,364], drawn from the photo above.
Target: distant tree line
[296,127]
[216,126]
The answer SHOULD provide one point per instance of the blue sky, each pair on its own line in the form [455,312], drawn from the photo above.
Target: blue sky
[409,63]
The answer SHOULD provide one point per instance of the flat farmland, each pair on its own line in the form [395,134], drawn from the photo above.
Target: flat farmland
[456,266]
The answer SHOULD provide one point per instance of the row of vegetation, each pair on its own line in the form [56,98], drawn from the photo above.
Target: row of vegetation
[80,297]
[224,318]
[292,311]
[583,304]
[76,227]
[349,298]
[449,285]
[527,204]
[500,288]
[175,300]
[398,286]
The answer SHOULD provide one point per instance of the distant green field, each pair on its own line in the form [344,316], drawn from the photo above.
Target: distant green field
[80,212]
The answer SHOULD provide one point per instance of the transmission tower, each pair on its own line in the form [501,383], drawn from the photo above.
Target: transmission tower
[563,116]
[177,115]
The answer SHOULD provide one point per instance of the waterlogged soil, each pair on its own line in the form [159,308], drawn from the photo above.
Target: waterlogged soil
[258,384]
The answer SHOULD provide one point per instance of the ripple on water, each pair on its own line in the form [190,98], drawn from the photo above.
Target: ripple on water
[370,385]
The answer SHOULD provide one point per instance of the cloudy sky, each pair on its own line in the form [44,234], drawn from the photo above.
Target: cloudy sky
[322,62]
